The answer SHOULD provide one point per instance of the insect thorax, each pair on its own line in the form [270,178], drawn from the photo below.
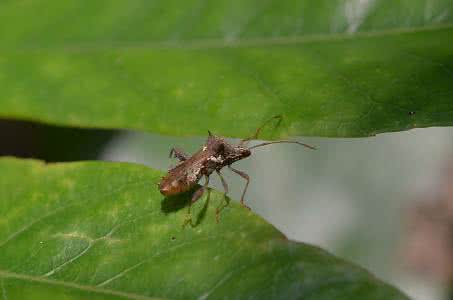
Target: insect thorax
[214,162]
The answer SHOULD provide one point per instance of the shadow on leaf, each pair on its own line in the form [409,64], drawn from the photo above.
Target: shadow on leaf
[175,203]
[202,214]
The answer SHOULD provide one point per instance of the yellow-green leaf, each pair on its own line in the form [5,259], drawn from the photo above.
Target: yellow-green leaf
[96,230]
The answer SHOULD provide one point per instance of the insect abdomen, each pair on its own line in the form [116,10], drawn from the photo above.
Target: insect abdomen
[170,186]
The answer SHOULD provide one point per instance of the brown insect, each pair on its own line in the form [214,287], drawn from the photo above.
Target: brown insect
[213,156]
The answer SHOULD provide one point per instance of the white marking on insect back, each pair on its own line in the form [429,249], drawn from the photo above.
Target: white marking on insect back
[218,159]
[192,173]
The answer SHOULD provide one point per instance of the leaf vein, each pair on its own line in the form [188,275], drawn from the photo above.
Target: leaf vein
[82,287]
[4,294]
[60,209]
[222,43]
[140,263]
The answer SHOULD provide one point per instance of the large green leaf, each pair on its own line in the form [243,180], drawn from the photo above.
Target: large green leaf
[330,67]
[102,230]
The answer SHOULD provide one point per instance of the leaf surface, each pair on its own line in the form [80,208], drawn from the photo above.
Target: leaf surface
[102,231]
[329,67]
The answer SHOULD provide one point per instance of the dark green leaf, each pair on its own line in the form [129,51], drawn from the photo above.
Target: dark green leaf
[330,67]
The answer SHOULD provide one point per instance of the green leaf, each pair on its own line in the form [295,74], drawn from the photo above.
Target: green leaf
[329,67]
[102,230]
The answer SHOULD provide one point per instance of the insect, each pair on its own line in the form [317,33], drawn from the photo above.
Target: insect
[216,154]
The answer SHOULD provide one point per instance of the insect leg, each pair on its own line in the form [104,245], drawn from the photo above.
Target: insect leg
[179,154]
[197,195]
[221,207]
[258,130]
[224,183]
[247,178]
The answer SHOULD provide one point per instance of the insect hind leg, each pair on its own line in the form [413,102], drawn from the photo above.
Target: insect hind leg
[197,195]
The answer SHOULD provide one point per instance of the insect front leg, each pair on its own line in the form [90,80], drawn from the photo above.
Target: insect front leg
[179,154]
[247,178]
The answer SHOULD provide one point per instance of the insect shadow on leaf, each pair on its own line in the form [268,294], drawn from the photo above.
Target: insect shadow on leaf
[216,154]
[177,202]
[174,203]
[201,214]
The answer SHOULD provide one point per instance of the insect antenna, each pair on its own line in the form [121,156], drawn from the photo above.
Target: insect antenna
[281,142]
[258,130]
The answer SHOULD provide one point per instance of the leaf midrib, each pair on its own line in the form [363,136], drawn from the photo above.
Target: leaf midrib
[216,43]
